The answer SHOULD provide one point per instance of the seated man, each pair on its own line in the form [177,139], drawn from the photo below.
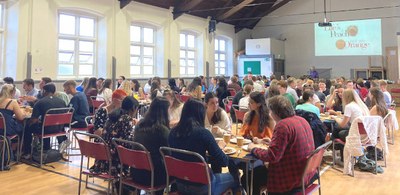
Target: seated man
[39,111]
[32,99]
[290,145]
[30,92]
[79,103]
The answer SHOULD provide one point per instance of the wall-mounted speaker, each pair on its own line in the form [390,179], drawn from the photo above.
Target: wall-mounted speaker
[212,26]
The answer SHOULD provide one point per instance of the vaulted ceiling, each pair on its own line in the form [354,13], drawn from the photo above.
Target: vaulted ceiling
[240,13]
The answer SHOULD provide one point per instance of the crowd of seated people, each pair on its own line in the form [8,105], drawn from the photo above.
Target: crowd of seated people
[193,125]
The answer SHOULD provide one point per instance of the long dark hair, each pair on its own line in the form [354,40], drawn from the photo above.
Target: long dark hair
[157,115]
[137,85]
[155,87]
[222,83]
[193,113]
[338,100]
[263,111]
[91,84]
[196,82]
[306,96]
[217,115]
[106,84]
[378,100]
[129,104]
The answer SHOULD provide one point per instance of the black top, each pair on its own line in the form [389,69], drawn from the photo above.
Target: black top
[43,105]
[152,138]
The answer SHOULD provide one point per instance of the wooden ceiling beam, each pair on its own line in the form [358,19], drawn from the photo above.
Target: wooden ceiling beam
[235,9]
[123,3]
[183,8]
[252,23]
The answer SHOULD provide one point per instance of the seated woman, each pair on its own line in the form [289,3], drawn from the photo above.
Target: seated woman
[9,107]
[119,125]
[194,88]
[216,118]
[222,91]
[257,121]
[306,103]
[378,104]
[136,89]
[101,115]
[155,90]
[105,92]
[91,90]
[175,107]
[126,86]
[244,102]
[353,108]
[152,132]
[334,102]
[181,85]
[172,85]
[191,135]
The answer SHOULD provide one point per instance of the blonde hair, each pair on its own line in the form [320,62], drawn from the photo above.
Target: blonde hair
[7,91]
[126,86]
[348,96]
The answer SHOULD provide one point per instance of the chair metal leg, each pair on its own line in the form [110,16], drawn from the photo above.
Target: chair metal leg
[80,177]
[4,151]
[41,153]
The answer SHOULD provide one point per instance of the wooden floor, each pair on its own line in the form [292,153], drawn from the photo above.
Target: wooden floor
[63,179]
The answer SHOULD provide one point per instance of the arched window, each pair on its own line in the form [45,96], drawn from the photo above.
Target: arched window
[77,44]
[142,50]
[188,54]
[220,56]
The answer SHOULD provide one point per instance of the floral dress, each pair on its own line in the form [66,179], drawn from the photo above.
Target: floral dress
[122,129]
[100,118]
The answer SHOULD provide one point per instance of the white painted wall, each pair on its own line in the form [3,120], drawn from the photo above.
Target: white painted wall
[294,22]
[32,27]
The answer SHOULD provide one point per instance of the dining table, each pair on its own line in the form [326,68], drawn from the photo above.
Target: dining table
[241,154]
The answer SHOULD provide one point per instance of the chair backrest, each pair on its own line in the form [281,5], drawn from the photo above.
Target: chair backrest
[239,114]
[313,163]
[228,104]
[3,123]
[58,116]
[199,171]
[98,150]
[185,98]
[97,102]
[137,156]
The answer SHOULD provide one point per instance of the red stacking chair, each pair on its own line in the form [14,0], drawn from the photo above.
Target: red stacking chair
[53,117]
[312,168]
[185,98]
[97,103]
[3,141]
[239,116]
[98,150]
[228,104]
[179,169]
[89,128]
[139,158]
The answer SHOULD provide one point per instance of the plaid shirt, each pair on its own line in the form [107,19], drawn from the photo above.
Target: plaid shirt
[291,143]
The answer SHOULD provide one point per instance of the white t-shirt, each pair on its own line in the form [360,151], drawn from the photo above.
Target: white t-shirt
[386,93]
[244,103]
[258,87]
[352,110]
[316,99]
[175,114]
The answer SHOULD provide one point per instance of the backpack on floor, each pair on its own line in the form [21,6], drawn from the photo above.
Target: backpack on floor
[49,156]
[5,145]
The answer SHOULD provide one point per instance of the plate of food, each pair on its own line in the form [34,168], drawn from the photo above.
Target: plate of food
[218,139]
[245,141]
[229,150]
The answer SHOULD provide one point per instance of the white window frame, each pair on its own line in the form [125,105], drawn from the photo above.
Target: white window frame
[142,45]
[77,38]
[188,49]
[218,53]
[2,39]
